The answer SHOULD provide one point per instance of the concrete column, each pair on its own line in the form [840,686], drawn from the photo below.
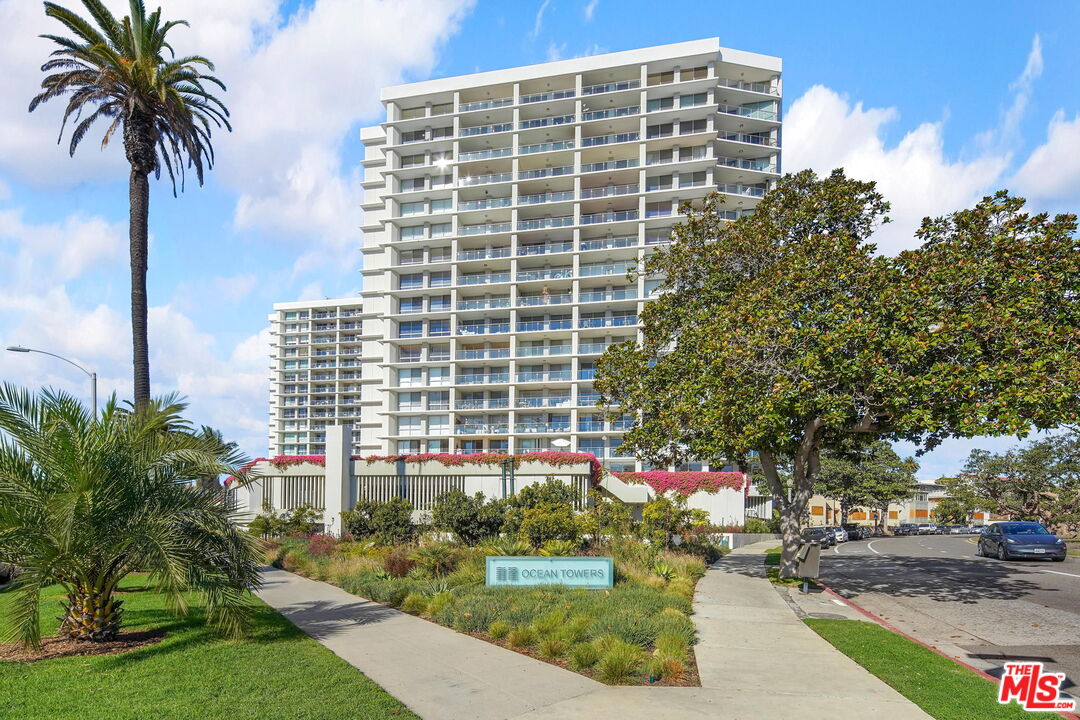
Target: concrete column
[338,475]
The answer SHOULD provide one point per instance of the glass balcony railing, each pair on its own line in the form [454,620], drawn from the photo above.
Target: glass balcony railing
[484,229]
[483,303]
[610,87]
[607,243]
[609,165]
[618,321]
[607,295]
[551,376]
[545,274]
[545,172]
[485,154]
[556,427]
[623,111]
[545,248]
[747,112]
[753,139]
[534,300]
[543,351]
[485,129]
[485,179]
[482,404]
[484,254]
[546,121]
[764,165]
[485,279]
[486,329]
[614,268]
[609,139]
[538,325]
[543,223]
[607,217]
[485,104]
[481,378]
[485,429]
[546,147]
[547,197]
[759,87]
[547,96]
[592,348]
[484,354]
[586,374]
[749,190]
[485,204]
[609,191]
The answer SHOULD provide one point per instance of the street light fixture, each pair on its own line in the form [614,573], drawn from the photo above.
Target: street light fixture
[91,375]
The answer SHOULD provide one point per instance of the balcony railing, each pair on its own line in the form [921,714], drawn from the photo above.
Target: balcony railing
[534,300]
[618,321]
[610,113]
[749,190]
[556,376]
[741,164]
[484,354]
[484,253]
[546,197]
[546,121]
[486,129]
[485,279]
[609,165]
[557,427]
[485,154]
[543,351]
[546,96]
[545,274]
[607,295]
[485,204]
[546,147]
[608,243]
[485,404]
[593,348]
[484,229]
[615,268]
[610,87]
[483,303]
[481,378]
[545,248]
[609,139]
[543,401]
[545,172]
[542,223]
[609,191]
[536,325]
[485,104]
[759,87]
[485,179]
[484,429]
[487,329]
[753,139]
[747,112]
[607,217]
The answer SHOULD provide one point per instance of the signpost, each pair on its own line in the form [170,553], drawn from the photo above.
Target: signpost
[592,573]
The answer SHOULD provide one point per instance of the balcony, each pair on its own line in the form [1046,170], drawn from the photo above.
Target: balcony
[543,401]
[484,253]
[483,404]
[483,329]
[545,274]
[487,154]
[547,197]
[545,248]
[556,427]
[484,303]
[546,172]
[608,243]
[747,112]
[609,165]
[470,180]
[546,147]
[546,121]
[484,229]
[550,376]
[623,111]
[547,96]
[485,204]
[544,223]
[483,354]
[615,268]
[593,348]
[482,429]
[617,321]
[586,374]
[741,164]
[536,325]
[748,190]
[484,278]
[543,351]
[544,299]
[609,139]
[486,129]
[609,217]
[610,87]
[485,104]
[482,378]
[607,295]
[758,87]
[609,191]
[753,139]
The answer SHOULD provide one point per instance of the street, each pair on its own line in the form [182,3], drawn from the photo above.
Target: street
[980,610]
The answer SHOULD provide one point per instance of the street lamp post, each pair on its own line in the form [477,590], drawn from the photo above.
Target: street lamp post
[91,375]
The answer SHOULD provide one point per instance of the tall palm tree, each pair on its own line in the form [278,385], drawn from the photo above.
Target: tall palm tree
[83,503]
[117,70]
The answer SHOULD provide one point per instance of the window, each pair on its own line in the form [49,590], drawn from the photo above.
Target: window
[439,376]
[659,131]
[438,328]
[411,257]
[442,230]
[412,281]
[411,329]
[660,235]
[408,447]
[410,401]
[693,100]
[438,158]
[658,182]
[439,425]
[438,400]
[439,302]
[412,184]
[445,132]
[412,208]
[661,78]
[697,152]
[657,209]
[694,179]
[440,279]
[414,136]
[438,352]
[658,157]
[440,181]
[412,233]
[442,206]
[442,109]
[408,161]
[411,377]
[660,104]
[698,73]
[410,425]
[412,305]
[413,113]
[440,254]
[688,127]
[409,353]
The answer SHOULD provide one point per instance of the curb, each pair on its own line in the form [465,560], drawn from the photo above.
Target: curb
[892,628]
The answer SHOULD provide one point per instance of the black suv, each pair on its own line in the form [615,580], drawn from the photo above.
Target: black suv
[906,529]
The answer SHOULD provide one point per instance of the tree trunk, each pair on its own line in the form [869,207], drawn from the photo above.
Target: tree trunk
[138,231]
[91,615]
[805,467]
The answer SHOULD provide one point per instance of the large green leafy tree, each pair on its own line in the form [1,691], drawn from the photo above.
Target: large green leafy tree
[124,72]
[868,475]
[783,332]
[85,501]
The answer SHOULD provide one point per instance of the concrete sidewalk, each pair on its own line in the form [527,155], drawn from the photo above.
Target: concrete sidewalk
[756,659]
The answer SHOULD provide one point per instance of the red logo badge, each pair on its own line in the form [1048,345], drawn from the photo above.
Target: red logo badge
[1033,689]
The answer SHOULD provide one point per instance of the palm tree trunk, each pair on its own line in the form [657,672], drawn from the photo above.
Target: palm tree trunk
[91,615]
[139,199]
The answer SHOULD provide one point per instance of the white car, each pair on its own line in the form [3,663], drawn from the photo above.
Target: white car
[839,533]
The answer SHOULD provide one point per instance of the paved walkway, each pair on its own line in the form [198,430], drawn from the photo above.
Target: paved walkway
[756,659]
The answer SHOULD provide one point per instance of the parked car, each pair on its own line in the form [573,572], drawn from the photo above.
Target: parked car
[856,531]
[958,530]
[839,533]
[906,529]
[1010,540]
[821,535]
[928,529]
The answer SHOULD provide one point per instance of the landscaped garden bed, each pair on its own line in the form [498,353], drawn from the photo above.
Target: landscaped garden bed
[637,632]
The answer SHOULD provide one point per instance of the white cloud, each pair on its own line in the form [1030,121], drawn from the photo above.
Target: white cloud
[1051,174]
[1022,88]
[57,251]
[538,21]
[590,8]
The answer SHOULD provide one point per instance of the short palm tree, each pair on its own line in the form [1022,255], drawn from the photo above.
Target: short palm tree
[117,70]
[85,503]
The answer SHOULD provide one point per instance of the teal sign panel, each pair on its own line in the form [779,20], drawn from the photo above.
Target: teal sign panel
[592,573]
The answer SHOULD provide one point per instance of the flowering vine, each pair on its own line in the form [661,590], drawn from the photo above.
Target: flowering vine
[684,482]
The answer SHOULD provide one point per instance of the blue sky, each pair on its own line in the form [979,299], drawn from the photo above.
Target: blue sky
[939,102]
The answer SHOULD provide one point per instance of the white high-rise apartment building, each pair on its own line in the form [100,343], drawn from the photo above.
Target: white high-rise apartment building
[502,212]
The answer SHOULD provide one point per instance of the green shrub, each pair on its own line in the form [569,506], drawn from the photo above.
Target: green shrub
[756,525]
[438,603]
[414,603]
[654,669]
[606,516]
[577,627]
[549,624]
[279,558]
[663,517]
[471,519]
[551,492]
[387,522]
[560,548]
[438,559]
[498,629]
[669,623]
[682,586]
[506,546]
[663,570]
[671,644]
[544,523]
[553,648]
[584,655]
[607,641]
[619,663]
[521,637]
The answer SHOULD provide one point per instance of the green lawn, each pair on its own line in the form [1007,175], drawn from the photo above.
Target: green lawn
[276,672]
[944,689]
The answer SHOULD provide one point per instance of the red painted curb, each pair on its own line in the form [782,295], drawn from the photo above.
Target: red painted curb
[892,628]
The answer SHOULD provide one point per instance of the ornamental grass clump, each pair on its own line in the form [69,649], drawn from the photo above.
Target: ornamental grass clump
[498,629]
[584,655]
[619,663]
[414,603]
[521,637]
[553,648]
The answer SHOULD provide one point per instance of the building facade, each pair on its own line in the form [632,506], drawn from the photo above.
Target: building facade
[503,211]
